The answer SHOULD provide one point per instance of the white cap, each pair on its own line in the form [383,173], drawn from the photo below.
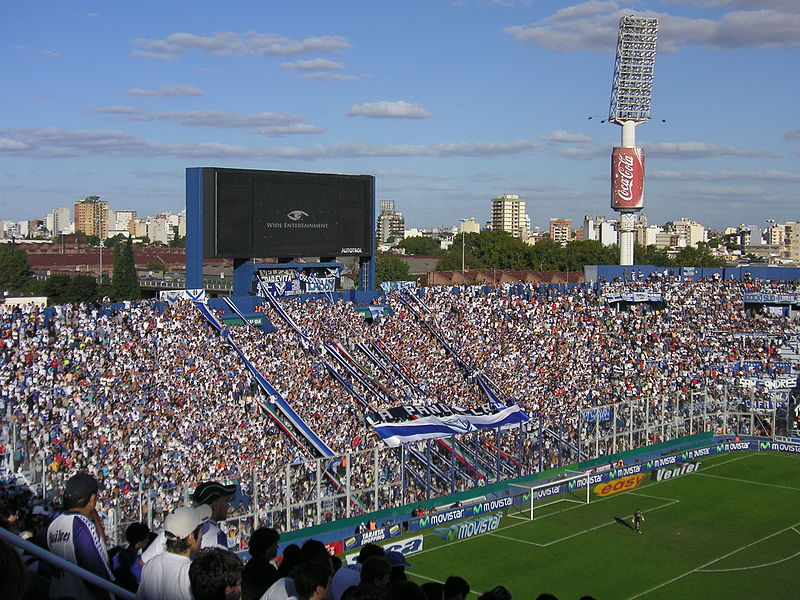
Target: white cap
[185,520]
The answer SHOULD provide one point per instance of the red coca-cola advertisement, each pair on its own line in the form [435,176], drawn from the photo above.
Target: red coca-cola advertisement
[627,179]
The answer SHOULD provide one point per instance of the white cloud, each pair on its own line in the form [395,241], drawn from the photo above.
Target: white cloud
[218,119]
[315,64]
[594,25]
[228,43]
[564,137]
[389,110]
[65,143]
[794,134]
[701,150]
[291,129]
[682,150]
[767,176]
[116,110]
[167,91]
[326,76]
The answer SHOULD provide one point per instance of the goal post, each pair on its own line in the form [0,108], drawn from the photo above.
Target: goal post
[572,486]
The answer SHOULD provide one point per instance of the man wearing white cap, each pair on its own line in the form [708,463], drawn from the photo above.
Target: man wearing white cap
[166,576]
[215,497]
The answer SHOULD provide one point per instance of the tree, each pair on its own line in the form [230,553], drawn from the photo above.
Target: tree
[546,255]
[697,257]
[589,252]
[81,288]
[15,272]
[390,268]
[452,259]
[499,249]
[124,280]
[57,288]
[421,245]
[650,255]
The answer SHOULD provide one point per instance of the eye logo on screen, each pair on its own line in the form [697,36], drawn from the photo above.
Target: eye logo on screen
[296,215]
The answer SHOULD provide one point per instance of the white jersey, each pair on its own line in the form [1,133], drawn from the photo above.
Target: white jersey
[73,537]
[283,589]
[166,577]
[213,536]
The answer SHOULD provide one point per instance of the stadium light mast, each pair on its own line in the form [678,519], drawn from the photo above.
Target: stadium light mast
[630,106]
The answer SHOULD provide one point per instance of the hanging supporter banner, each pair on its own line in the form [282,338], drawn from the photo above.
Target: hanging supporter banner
[287,282]
[392,286]
[173,295]
[780,382]
[411,423]
[591,416]
[634,297]
[772,298]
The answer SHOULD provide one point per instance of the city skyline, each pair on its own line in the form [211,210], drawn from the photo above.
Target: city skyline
[473,101]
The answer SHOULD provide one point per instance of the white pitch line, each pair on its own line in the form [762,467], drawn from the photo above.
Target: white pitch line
[773,485]
[559,540]
[769,564]
[695,570]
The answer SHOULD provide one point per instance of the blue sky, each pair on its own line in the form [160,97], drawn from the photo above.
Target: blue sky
[447,103]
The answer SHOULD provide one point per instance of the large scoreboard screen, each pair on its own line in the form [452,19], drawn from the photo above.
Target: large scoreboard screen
[274,214]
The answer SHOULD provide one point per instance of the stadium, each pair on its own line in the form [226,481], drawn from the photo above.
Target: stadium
[504,434]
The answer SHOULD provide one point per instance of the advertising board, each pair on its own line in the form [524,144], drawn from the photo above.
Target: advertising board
[627,179]
[251,213]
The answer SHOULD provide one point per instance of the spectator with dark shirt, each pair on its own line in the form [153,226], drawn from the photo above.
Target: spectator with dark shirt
[259,573]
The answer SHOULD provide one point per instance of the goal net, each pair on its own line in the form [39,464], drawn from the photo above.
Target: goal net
[573,487]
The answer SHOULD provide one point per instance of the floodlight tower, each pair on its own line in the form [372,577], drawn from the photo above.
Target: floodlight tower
[630,106]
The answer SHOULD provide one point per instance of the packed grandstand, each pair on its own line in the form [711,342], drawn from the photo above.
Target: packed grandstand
[153,397]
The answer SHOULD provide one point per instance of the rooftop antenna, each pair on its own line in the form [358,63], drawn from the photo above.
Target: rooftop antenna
[630,106]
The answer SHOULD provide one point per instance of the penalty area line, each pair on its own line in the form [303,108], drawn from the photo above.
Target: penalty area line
[711,562]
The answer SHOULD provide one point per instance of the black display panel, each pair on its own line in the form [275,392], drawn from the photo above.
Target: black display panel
[274,214]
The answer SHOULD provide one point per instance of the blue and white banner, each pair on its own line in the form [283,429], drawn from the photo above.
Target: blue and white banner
[436,426]
[591,416]
[393,286]
[634,297]
[173,295]
[286,282]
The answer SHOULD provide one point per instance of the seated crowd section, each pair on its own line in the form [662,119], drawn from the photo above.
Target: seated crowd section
[150,399]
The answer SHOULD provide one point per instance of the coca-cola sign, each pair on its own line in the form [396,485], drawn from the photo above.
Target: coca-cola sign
[627,179]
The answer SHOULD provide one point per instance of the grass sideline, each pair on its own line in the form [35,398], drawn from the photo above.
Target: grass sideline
[730,530]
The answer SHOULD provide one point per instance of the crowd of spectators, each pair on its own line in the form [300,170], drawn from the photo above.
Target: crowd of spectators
[190,564]
[150,399]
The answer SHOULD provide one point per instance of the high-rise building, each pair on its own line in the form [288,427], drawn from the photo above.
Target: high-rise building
[508,214]
[391,223]
[561,230]
[791,241]
[690,233]
[58,221]
[91,217]
[599,229]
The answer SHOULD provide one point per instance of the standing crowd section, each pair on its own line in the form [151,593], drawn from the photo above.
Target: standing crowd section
[151,399]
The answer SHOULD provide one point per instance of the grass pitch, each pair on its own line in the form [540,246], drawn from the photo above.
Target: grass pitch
[730,530]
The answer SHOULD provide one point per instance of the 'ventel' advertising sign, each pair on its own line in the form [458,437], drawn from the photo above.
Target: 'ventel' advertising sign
[627,179]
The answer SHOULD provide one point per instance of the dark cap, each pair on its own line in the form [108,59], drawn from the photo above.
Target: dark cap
[397,559]
[208,491]
[81,485]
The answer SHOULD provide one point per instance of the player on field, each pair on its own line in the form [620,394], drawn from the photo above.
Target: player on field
[638,519]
